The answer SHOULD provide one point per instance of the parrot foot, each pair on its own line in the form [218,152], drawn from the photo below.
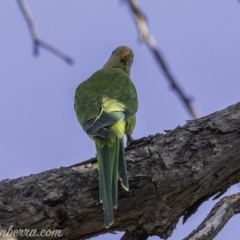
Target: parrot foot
[130,140]
[131,143]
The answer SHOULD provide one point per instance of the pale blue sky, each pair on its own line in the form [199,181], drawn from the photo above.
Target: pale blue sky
[38,127]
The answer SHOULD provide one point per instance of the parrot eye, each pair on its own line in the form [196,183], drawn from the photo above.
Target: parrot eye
[113,52]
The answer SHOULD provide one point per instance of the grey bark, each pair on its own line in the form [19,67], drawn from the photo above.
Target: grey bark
[217,218]
[170,176]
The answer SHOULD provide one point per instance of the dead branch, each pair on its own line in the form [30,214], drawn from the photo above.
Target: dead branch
[149,40]
[168,174]
[217,218]
[37,41]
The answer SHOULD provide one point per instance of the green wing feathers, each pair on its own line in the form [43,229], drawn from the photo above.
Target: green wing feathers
[92,95]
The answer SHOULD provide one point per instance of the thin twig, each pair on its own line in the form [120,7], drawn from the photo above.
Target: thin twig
[217,218]
[146,37]
[37,42]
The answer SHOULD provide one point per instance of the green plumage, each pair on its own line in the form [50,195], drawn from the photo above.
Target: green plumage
[105,106]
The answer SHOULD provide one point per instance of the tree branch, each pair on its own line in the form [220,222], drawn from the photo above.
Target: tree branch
[37,42]
[134,236]
[149,40]
[217,218]
[167,175]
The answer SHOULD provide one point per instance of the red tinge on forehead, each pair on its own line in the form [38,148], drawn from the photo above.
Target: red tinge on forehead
[125,53]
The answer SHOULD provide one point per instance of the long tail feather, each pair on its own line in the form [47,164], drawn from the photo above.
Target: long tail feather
[100,186]
[112,165]
[122,166]
[115,175]
[108,168]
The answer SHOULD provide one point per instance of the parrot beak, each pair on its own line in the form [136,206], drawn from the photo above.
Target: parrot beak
[125,53]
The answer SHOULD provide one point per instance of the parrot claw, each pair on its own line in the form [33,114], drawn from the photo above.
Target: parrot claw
[131,143]
[130,140]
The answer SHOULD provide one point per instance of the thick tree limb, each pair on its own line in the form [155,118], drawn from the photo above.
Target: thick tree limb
[167,173]
[131,236]
[37,42]
[217,218]
[149,40]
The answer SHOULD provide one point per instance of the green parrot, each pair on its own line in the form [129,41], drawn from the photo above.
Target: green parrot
[105,106]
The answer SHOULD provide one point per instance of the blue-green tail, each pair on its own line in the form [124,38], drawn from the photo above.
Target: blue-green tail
[112,165]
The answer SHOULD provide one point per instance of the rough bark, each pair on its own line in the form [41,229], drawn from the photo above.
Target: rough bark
[170,176]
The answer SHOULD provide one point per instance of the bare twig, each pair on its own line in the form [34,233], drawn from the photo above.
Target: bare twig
[146,37]
[36,40]
[217,218]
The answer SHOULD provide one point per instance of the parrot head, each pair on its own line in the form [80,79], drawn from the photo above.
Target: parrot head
[122,57]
